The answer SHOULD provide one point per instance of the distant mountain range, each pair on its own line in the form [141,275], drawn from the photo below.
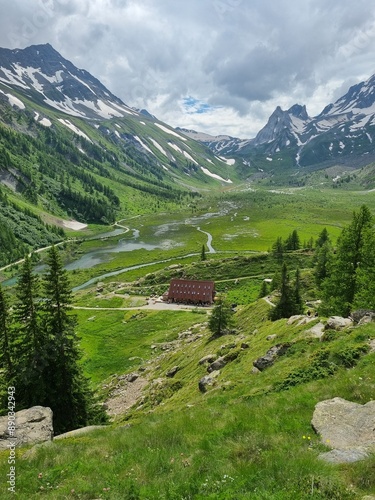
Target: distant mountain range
[48,77]
[39,79]
[344,132]
[69,148]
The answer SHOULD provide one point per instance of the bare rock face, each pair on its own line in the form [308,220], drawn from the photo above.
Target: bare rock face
[347,427]
[33,425]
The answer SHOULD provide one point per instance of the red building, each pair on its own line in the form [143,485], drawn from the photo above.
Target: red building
[191,291]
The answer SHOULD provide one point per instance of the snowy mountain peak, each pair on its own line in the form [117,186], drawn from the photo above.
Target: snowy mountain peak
[299,111]
[58,83]
[359,97]
[284,125]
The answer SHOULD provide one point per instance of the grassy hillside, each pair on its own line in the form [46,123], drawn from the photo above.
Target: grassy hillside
[248,437]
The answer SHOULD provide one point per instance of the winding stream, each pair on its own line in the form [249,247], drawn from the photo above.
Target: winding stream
[209,241]
[99,256]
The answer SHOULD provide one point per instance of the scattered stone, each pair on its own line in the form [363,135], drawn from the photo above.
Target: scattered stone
[372,345]
[300,319]
[33,425]
[210,358]
[255,370]
[79,432]
[346,427]
[344,456]
[217,365]
[270,357]
[338,323]
[172,372]
[208,380]
[130,377]
[245,345]
[317,331]
[271,337]
[360,314]
[368,318]
[294,319]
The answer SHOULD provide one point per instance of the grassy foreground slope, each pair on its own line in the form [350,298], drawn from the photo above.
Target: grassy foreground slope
[248,437]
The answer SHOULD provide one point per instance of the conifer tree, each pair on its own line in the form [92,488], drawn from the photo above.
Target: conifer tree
[293,242]
[69,395]
[278,249]
[263,290]
[365,294]
[203,253]
[30,344]
[298,304]
[322,238]
[323,260]
[340,288]
[221,317]
[6,354]
[285,306]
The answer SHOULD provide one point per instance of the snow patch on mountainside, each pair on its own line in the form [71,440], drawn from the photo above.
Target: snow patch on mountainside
[75,129]
[189,157]
[14,101]
[45,122]
[157,145]
[73,224]
[143,144]
[175,147]
[169,131]
[215,176]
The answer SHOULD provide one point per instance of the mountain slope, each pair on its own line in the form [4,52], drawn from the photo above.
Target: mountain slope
[70,148]
[58,83]
[343,133]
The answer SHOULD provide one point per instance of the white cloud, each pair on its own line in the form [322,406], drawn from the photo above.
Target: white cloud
[240,58]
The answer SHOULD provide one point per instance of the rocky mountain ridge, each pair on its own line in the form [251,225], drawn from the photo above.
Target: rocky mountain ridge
[342,133]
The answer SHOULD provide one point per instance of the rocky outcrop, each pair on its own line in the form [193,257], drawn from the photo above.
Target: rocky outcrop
[32,426]
[208,380]
[270,357]
[362,316]
[338,323]
[317,331]
[172,372]
[346,427]
[217,365]
[210,358]
[80,432]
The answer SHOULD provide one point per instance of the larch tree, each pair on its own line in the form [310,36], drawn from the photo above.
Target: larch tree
[365,293]
[285,306]
[6,347]
[69,394]
[203,253]
[341,286]
[221,317]
[30,341]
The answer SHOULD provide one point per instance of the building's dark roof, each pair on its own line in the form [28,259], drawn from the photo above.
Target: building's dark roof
[191,290]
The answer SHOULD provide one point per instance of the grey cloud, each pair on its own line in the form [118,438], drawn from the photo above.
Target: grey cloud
[234,54]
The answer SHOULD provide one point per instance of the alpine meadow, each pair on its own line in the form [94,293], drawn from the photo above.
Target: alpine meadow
[183,315]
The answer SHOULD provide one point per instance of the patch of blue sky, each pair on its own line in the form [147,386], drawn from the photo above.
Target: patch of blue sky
[195,106]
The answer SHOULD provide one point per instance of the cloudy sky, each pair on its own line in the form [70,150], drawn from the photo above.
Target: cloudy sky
[218,66]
